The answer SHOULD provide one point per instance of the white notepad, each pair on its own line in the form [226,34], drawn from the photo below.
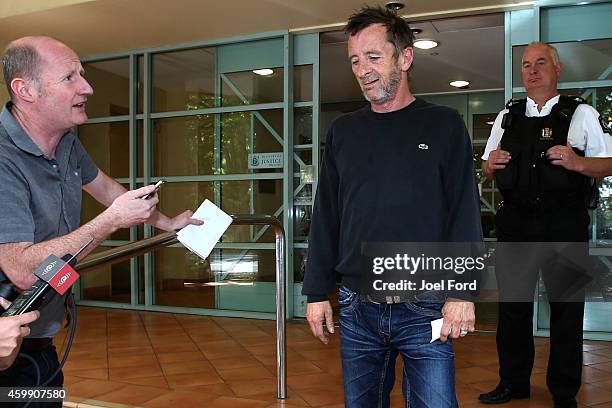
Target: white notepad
[201,239]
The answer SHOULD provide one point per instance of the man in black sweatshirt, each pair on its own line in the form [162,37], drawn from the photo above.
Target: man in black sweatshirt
[399,170]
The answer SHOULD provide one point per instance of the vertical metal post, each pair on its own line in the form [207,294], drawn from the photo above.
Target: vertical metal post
[281,320]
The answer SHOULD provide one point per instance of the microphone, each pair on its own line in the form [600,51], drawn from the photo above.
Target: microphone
[53,274]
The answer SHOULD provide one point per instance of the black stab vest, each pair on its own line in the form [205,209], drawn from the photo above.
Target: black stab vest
[529,175]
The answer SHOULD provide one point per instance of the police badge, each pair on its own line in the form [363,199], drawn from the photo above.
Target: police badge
[546,134]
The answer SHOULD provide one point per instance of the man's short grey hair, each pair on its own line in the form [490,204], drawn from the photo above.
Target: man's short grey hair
[20,61]
[554,54]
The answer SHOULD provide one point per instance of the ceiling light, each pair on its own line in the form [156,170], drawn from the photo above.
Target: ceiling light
[459,84]
[263,72]
[425,44]
[582,3]
[416,31]
[491,122]
[395,5]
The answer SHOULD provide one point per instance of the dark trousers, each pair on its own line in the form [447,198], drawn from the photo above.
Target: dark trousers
[23,374]
[517,278]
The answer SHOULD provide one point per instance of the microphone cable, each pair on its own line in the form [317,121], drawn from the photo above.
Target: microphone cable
[73,324]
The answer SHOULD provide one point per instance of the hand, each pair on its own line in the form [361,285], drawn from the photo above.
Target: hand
[12,330]
[459,319]
[498,159]
[182,220]
[130,209]
[320,319]
[5,304]
[565,157]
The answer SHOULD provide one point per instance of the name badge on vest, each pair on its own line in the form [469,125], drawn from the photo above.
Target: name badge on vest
[546,134]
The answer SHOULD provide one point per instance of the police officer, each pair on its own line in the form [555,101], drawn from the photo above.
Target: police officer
[543,152]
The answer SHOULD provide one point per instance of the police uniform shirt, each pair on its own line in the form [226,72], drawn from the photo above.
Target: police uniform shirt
[585,132]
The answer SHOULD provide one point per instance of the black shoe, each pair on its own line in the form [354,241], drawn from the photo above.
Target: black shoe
[502,394]
[567,403]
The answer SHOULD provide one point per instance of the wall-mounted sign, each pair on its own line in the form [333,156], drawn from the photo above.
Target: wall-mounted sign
[266,160]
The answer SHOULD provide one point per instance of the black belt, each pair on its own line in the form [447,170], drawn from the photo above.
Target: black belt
[387,299]
[35,344]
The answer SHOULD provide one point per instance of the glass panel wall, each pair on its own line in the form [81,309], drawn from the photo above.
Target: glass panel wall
[111,83]
[184,127]
[184,80]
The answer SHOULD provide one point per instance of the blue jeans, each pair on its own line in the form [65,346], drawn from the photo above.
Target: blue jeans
[371,337]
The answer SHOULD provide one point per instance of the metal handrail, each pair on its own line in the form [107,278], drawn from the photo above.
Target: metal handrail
[133,249]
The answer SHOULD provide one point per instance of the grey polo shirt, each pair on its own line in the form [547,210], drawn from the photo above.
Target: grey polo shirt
[41,198]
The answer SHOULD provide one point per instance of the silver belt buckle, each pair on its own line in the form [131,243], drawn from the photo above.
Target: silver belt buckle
[393,299]
[369,299]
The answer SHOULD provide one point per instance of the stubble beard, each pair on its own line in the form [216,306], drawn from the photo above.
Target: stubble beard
[387,90]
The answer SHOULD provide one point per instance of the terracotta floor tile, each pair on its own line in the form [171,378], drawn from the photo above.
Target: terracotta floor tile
[125,360]
[595,345]
[175,347]
[170,340]
[134,394]
[220,389]
[606,366]
[591,394]
[317,397]
[298,367]
[595,358]
[183,367]
[157,381]
[251,387]
[182,399]
[473,375]
[92,388]
[178,357]
[91,348]
[190,380]
[246,373]
[229,402]
[330,353]
[122,373]
[293,399]
[98,374]
[314,380]
[258,341]
[71,380]
[78,364]
[245,360]
[592,374]
[131,350]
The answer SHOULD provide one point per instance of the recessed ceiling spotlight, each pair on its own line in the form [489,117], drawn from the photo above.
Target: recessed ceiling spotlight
[582,3]
[395,5]
[416,31]
[459,84]
[491,122]
[425,44]
[263,72]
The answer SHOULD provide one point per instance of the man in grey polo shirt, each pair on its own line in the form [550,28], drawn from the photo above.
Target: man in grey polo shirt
[43,168]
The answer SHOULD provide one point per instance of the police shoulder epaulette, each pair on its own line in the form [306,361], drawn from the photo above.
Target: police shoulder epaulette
[513,102]
[573,98]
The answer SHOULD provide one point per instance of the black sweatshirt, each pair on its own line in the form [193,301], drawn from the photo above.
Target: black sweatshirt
[402,176]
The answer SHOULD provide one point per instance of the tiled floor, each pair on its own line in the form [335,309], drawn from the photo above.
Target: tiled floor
[164,360]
